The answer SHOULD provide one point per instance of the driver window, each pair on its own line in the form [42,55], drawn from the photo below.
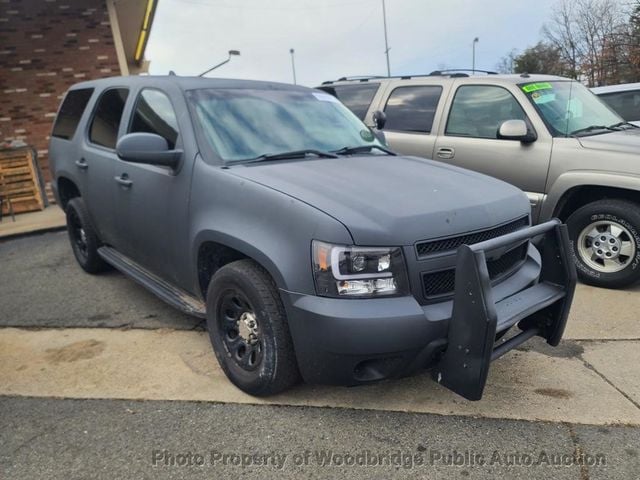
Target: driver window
[154,114]
[479,110]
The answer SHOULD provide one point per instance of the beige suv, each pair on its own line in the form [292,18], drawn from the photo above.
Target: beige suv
[550,136]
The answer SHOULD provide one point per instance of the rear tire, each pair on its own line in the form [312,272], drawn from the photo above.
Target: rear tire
[248,329]
[605,241]
[83,237]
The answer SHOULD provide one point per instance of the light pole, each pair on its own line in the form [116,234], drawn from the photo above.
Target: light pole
[386,40]
[473,62]
[232,53]
[293,64]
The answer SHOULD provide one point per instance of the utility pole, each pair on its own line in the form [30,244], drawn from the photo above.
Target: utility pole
[473,62]
[386,40]
[293,64]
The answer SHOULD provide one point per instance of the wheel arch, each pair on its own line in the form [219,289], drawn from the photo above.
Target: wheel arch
[213,250]
[574,189]
[67,189]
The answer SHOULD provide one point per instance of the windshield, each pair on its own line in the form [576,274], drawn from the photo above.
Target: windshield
[243,124]
[569,108]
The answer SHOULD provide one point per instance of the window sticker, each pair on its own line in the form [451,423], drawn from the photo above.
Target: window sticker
[534,87]
[540,98]
[325,97]
[367,135]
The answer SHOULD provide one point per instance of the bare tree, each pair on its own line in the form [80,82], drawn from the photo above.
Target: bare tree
[586,33]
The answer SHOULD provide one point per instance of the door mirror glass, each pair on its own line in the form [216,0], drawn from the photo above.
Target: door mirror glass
[148,148]
[516,130]
[379,119]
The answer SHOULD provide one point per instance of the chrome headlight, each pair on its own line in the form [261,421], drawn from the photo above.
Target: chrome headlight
[350,271]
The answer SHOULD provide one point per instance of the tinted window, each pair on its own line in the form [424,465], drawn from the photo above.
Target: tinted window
[154,114]
[627,104]
[106,118]
[70,112]
[478,111]
[356,97]
[411,109]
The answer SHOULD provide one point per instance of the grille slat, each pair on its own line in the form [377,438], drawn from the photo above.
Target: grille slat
[444,282]
[452,243]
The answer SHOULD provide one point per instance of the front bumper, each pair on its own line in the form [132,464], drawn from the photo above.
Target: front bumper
[354,341]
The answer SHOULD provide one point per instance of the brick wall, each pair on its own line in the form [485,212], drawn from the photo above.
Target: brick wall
[45,47]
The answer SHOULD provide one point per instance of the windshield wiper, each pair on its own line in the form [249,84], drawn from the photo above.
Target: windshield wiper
[362,149]
[290,155]
[592,128]
[623,124]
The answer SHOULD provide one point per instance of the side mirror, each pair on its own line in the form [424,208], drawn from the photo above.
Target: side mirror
[379,119]
[516,130]
[147,148]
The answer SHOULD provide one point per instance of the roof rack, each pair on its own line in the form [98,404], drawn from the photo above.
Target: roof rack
[454,72]
[461,72]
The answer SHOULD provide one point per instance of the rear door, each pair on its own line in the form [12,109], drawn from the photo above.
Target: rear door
[98,160]
[412,116]
[153,201]
[468,138]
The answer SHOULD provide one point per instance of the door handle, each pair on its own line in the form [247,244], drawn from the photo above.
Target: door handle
[124,180]
[446,152]
[82,164]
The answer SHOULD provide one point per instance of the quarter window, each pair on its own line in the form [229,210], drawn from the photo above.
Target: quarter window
[479,110]
[411,109]
[107,117]
[154,114]
[70,112]
[356,98]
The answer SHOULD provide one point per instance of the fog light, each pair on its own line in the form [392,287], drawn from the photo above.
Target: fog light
[365,287]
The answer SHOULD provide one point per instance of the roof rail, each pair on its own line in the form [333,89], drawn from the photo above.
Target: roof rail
[458,71]
[453,72]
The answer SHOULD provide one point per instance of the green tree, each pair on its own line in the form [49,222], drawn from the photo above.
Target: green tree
[542,58]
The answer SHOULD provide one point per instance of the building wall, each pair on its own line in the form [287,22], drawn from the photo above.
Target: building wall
[45,47]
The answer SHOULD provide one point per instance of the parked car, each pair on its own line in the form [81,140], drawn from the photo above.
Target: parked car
[624,99]
[575,158]
[275,213]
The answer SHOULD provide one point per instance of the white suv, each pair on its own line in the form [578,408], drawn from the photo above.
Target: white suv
[624,99]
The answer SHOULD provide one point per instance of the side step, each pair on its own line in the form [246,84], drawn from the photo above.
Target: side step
[173,296]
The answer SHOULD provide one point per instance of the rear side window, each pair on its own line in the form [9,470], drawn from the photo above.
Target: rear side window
[479,110]
[411,109]
[107,117]
[70,112]
[356,98]
[626,104]
[154,114]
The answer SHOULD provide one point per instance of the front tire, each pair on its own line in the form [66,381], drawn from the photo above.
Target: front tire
[83,237]
[605,241]
[248,329]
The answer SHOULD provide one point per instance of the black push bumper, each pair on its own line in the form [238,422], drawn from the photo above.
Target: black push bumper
[541,309]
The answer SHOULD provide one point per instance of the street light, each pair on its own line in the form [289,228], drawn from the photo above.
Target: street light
[473,63]
[386,39]
[232,53]
[293,64]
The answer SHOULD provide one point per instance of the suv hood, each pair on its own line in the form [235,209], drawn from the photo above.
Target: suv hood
[385,200]
[625,141]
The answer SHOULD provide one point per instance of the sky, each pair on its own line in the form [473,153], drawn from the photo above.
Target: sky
[334,38]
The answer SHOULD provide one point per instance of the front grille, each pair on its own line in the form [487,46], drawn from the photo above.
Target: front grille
[452,243]
[442,283]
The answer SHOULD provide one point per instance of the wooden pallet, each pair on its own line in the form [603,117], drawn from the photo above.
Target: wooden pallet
[19,181]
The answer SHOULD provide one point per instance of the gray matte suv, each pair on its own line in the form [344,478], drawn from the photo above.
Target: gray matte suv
[574,156]
[309,247]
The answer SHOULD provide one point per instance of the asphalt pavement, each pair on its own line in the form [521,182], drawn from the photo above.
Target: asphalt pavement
[99,379]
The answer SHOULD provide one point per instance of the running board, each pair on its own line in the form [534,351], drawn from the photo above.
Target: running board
[175,297]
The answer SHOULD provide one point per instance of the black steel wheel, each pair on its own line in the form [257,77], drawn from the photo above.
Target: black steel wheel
[248,329]
[84,239]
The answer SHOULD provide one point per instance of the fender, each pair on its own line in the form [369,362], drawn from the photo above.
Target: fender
[585,178]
